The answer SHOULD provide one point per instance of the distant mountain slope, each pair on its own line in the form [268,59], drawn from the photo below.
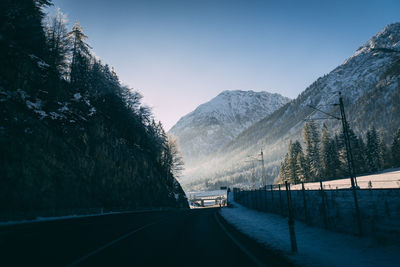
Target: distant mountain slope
[369,82]
[213,124]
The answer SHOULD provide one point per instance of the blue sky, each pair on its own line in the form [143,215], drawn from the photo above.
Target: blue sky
[180,54]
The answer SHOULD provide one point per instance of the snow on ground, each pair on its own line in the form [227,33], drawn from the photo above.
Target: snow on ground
[316,247]
[387,179]
[77,96]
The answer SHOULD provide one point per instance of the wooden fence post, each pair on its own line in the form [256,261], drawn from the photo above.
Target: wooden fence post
[293,242]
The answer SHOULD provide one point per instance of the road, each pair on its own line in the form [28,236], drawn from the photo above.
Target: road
[163,238]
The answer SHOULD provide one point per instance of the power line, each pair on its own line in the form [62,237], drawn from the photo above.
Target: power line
[349,154]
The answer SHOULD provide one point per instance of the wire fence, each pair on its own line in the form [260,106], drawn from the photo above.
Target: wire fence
[332,209]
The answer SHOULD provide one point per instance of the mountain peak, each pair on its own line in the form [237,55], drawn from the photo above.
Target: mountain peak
[237,91]
[214,123]
[387,39]
[233,104]
[244,92]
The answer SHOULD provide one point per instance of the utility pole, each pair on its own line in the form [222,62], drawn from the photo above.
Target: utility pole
[349,154]
[350,162]
[293,241]
[252,159]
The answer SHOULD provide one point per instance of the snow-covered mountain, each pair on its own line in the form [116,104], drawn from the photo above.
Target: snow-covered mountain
[213,124]
[369,82]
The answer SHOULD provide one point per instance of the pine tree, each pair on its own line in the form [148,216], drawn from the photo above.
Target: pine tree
[383,153]
[341,155]
[335,166]
[22,43]
[21,26]
[374,151]
[284,169]
[302,169]
[362,157]
[357,152]
[289,167]
[396,149]
[81,56]
[325,145]
[329,156]
[312,141]
[371,166]
[294,150]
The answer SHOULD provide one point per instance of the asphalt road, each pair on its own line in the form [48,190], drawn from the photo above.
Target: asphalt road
[163,238]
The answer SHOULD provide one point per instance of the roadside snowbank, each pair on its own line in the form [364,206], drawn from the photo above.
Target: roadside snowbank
[316,246]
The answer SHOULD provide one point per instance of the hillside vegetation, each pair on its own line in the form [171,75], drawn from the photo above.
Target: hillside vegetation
[71,137]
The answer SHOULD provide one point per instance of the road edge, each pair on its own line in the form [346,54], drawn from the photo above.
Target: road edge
[255,260]
[264,255]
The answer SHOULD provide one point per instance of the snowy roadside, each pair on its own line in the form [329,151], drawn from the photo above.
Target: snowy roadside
[317,247]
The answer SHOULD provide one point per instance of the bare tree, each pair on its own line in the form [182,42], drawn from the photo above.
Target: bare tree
[176,159]
[58,42]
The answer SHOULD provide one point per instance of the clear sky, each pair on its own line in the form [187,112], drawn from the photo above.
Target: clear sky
[180,54]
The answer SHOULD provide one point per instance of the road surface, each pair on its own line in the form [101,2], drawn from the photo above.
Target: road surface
[162,238]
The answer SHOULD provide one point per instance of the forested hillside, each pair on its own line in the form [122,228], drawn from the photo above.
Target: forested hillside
[71,137]
[324,156]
